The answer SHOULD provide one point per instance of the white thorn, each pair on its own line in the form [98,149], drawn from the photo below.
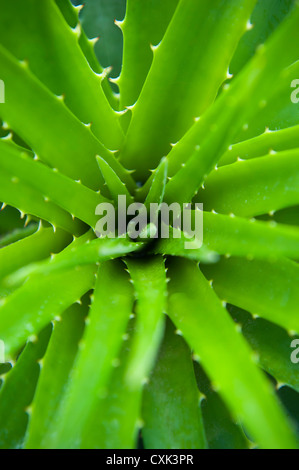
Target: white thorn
[249,25]
[153,48]
[93,41]
[77,29]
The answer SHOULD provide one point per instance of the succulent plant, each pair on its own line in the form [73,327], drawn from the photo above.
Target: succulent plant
[142,343]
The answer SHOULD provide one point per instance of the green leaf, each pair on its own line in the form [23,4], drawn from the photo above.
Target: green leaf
[69,11]
[115,185]
[198,314]
[144,25]
[289,216]
[83,251]
[272,345]
[224,235]
[35,247]
[102,341]
[14,406]
[28,109]
[42,298]
[149,326]
[43,24]
[154,192]
[10,220]
[14,141]
[4,368]
[28,200]
[197,153]
[242,237]
[170,410]
[276,111]
[71,15]
[17,235]
[52,186]
[264,288]
[290,400]
[55,371]
[182,89]
[98,20]
[120,411]
[266,17]
[274,141]
[221,430]
[176,245]
[253,187]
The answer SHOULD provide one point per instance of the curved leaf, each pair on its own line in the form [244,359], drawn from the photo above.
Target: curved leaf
[102,341]
[182,89]
[44,24]
[14,406]
[199,315]
[264,288]
[55,371]
[170,411]
[253,187]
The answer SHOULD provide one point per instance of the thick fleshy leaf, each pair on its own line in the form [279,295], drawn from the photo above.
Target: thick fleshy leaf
[42,298]
[144,26]
[272,345]
[51,186]
[71,15]
[199,315]
[265,18]
[157,188]
[42,23]
[224,235]
[177,244]
[264,288]
[28,108]
[55,373]
[119,412]
[253,187]
[149,324]
[83,251]
[179,100]
[221,430]
[197,153]
[102,342]
[41,244]
[268,142]
[277,109]
[14,406]
[289,216]
[170,410]
[290,400]
[30,201]
[17,234]
[241,237]
[115,185]
[98,20]
[11,220]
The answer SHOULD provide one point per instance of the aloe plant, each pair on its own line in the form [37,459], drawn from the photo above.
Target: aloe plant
[119,343]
